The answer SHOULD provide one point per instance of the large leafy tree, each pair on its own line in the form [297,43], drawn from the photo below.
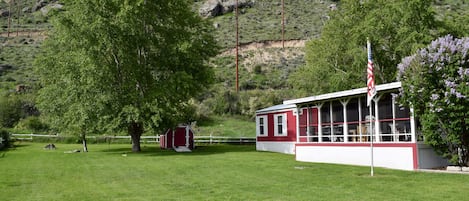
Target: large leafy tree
[435,82]
[337,59]
[122,65]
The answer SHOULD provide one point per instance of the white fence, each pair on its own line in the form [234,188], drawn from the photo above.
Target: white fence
[147,139]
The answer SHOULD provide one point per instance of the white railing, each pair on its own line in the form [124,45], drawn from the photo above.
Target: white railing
[220,139]
[30,136]
[149,139]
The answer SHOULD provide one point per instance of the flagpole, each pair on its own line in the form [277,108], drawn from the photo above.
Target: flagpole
[371,139]
[371,92]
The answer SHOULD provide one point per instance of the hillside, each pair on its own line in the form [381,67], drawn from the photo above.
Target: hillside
[260,25]
[264,64]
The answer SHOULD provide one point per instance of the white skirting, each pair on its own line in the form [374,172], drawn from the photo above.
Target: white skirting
[388,156]
[280,147]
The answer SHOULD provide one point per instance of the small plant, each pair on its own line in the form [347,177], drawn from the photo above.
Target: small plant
[258,69]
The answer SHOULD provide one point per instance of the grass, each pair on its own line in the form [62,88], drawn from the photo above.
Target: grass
[220,172]
[227,126]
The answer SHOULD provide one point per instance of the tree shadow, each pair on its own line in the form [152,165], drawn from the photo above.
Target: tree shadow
[199,150]
[12,147]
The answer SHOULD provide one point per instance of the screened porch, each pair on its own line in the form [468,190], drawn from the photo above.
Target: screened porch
[347,119]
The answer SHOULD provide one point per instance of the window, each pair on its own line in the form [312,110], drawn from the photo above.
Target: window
[261,125]
[385,107]
[280,125]
[337,112]
[386,118]
[326,113]
[353,120]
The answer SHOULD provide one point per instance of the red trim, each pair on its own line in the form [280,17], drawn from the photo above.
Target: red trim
[416,159]
[396,119]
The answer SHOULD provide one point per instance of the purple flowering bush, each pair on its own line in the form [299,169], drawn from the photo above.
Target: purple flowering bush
[435,82]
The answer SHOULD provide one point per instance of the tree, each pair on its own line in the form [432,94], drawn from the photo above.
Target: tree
[435,83]
[115,65]
[11,111]
[337,59]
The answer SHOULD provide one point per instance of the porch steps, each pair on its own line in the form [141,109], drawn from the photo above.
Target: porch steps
[182,149]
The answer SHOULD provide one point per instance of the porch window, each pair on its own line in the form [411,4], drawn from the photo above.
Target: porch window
[337,121]
[326,122]
[280,125]
[353,123]
[261,122]
[387,121]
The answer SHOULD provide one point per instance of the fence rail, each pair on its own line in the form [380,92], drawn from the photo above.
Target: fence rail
[148,139]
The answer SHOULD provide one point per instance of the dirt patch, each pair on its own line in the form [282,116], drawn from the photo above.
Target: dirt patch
[264,45]
[29,34]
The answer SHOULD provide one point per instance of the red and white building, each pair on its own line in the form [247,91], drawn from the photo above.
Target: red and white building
[335,128]
[181,139]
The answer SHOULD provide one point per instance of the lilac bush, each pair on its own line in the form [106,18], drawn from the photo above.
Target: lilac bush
[435,82]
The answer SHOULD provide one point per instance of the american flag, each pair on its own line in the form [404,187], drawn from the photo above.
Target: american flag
[370,82]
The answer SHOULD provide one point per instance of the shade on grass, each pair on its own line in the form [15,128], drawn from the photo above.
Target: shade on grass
[219,172]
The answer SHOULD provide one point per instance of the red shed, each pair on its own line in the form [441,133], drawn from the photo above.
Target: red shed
[180,139]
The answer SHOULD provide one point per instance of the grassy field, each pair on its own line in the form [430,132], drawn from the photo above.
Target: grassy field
[227,126]
[220,172]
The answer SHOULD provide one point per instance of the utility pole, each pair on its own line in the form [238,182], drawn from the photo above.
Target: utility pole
[9,17]
[283,24]
[18,17]
[237,44]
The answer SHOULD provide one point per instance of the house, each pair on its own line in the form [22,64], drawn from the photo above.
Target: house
[335,128]
[181,139]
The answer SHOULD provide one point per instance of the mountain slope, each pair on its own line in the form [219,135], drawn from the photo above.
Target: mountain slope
[264,66]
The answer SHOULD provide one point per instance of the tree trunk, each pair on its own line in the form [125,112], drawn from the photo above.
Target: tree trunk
[85,146]
[135,131]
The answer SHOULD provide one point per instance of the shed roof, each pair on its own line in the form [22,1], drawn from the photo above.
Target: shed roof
[276,108]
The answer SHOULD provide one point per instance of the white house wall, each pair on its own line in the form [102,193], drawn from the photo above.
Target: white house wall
[394,156]
[280,147]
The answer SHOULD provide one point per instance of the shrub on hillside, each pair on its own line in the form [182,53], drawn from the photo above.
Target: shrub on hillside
[33,124]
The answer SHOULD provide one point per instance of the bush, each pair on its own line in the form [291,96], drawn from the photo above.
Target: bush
[10,111]
[435,83]
[4,139]
[60,139]
[32,124]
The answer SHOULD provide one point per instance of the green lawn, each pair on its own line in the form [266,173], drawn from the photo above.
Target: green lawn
[227,126]
[221,172]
